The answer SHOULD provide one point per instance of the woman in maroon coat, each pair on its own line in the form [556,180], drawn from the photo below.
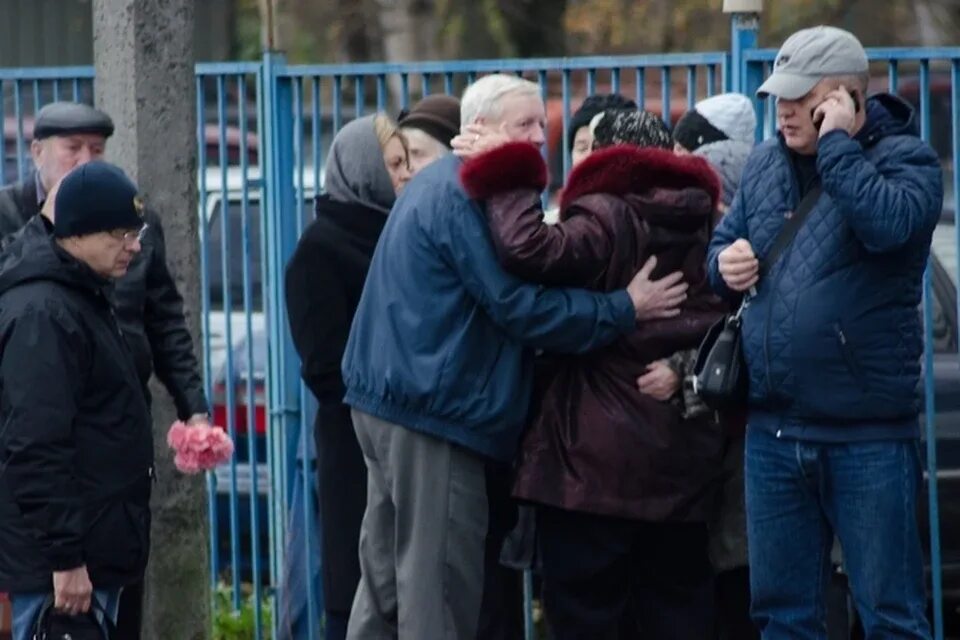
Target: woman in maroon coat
[624,481]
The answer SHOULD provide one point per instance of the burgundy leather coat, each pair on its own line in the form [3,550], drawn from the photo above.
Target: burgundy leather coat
[595,443]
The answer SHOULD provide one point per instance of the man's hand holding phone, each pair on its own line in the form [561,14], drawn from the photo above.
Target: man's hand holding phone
[837,111]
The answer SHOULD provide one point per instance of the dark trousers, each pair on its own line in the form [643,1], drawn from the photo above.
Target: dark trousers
[342,479]
[615,579]
[501,614]
[130,615]
[733,606]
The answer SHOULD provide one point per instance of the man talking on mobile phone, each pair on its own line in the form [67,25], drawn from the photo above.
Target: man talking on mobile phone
[832,340]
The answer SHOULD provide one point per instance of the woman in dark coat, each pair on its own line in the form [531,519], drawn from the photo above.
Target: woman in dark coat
[624,484]
[366,168]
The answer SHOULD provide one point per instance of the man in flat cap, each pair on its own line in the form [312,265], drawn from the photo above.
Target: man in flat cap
[832,340]
[76,450]
[148,305]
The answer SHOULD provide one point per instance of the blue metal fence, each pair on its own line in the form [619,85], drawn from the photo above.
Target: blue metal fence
[263,131]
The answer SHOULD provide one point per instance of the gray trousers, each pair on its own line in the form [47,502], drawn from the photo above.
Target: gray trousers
[422,538]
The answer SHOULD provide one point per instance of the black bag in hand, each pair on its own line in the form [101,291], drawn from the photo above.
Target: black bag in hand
[720,372]
[55,625]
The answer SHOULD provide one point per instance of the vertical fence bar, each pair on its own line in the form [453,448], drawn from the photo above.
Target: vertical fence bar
[76,89]
[381,92]
[424,85]
[893,76]
[615,80]
[641,87]
[930,394]
[711,80]
[359,97]
[565,88]
[229,374]
[316,133]
[591,81]
[306,464]
[665,94]
[3,135]
[252,457]
[36,96]
[955,155]
[337,107]
[743,37]
[298,159]
[404,91]
[18,115]
[205,325]
[471,77]
[56,90]
[279,238]
[448,84]
[691,86]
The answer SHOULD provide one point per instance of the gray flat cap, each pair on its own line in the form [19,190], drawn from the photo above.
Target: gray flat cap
[66,118]
[810,55]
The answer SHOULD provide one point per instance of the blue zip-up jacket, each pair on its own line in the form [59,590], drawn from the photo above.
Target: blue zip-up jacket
[443,339]
[833,338]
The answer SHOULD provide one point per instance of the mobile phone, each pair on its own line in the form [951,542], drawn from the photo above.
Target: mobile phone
[856,109]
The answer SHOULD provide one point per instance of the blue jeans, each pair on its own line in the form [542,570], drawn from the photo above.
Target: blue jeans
[799,494]
[26,607]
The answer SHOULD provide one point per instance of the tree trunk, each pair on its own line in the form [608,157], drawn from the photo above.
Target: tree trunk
[143,52]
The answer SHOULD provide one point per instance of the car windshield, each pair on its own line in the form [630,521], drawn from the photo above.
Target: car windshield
[216,248]
[234,247]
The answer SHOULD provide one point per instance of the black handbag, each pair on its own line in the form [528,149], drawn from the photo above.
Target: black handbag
[55,625]
[719,372]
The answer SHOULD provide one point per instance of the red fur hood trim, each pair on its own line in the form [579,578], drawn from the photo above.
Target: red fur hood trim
[625,169]
[515,165]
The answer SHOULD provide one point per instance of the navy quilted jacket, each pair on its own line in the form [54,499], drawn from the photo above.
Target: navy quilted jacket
[834,336]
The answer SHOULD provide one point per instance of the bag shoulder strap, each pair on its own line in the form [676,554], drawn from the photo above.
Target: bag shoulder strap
[791,227]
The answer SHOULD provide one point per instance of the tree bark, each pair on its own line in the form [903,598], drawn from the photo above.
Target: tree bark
[143,53]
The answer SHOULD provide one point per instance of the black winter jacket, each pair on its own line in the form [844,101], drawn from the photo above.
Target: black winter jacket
[76,450]
[148,305]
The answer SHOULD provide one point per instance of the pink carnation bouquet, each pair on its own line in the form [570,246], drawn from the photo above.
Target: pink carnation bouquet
[199,448]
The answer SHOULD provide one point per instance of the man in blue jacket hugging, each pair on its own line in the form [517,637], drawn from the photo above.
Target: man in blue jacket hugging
[438,373]
[832,341]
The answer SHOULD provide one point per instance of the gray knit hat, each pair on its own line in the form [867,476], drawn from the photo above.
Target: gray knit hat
[640,128]
[728,158]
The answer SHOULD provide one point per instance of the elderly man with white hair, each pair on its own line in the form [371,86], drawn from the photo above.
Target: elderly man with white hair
[438,375]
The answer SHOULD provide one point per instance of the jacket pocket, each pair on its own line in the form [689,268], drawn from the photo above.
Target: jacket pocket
[846,350]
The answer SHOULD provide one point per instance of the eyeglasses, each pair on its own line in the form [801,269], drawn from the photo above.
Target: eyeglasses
[130,236]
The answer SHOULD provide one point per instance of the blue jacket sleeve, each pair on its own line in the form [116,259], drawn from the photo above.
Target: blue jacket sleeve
[732,227]
[890,204]
[559,320]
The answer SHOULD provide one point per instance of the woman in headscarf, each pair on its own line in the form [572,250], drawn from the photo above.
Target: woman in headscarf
[623,483]
[366,169]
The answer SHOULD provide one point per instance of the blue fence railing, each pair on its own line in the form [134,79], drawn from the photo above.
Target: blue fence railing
[263,132]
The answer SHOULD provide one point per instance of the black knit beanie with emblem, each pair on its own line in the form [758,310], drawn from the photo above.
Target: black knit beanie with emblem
[640,128]
[94,197]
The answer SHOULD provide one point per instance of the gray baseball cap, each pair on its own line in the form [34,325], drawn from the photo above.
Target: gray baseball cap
[810,55]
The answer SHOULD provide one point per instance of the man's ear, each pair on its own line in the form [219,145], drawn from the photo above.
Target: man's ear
[36,147]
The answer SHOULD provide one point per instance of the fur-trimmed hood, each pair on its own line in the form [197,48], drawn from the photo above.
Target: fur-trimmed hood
[621,170]
[625,169]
